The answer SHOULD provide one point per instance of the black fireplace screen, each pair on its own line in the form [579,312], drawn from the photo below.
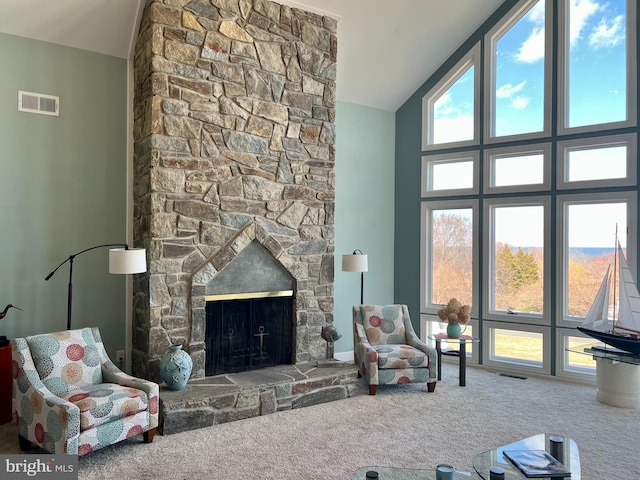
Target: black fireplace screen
[248,334]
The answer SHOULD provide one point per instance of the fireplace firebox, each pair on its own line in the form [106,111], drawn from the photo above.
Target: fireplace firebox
[248,331]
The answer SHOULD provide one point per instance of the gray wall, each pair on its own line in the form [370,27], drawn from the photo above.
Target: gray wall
[62,188]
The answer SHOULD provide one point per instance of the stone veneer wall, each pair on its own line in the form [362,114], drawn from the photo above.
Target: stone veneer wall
[234,137]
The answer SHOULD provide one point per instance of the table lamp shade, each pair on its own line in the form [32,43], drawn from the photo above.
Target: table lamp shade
[127,261]
[355,263]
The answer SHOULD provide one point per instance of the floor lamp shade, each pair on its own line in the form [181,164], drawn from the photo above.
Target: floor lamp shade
[127,261]
[358,262]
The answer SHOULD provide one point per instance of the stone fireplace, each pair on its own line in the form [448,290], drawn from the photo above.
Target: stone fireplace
[234,141]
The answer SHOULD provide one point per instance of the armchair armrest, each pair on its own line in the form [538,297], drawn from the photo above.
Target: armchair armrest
[364,349]
[37,406]
[432,354]
[112,374]
[414,341]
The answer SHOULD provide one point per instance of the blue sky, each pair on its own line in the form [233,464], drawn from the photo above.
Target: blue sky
[596,72]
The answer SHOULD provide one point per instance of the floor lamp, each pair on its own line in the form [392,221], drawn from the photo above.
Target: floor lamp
[357,262]
[122,260]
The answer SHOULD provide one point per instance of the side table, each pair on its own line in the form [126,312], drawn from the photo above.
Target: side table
[617,375]
[461,353]
[6,385]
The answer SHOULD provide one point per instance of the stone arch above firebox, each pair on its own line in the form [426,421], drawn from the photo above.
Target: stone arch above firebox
[260,237]
[260,231]
[253,270]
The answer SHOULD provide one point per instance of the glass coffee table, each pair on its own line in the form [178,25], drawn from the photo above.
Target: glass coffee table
[395,473]
[495,458]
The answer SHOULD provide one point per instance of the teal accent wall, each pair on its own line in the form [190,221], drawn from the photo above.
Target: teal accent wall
[364,217]
[63,187]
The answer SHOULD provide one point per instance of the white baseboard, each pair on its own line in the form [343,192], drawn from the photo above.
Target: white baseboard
[344,356]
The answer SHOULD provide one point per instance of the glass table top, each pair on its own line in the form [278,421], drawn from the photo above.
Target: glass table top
[395,473]
[484,461]
[605,352]
[443,337]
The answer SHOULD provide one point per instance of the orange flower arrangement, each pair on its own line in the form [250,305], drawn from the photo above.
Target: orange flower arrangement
[455,312]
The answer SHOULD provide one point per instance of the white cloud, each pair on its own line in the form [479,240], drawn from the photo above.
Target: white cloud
[520,102]
[443,107]
[532,49]
[614,91]
[507,90]
[580,11]
[608,35]
[447,130]
[536,14]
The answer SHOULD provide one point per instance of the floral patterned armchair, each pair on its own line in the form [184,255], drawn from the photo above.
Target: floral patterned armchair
[388,351]
[69,397]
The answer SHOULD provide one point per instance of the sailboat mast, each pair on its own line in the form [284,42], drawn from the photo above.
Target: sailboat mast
[615,282]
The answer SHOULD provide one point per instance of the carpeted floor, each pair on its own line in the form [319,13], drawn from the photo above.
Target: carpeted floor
[400,426]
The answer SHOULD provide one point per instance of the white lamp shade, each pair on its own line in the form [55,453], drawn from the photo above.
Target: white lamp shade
[124,261]
[355,263]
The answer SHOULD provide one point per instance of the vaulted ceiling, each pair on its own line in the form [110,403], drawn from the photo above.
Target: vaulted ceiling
[386,49]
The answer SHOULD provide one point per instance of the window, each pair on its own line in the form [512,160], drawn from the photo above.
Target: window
[519,61]
[450,174]
[573,362]
[448,241]
[524,349]
[451,108]
[591,224]
[545,201]
[601,161]
[597,62]
[518,169]
[515,247]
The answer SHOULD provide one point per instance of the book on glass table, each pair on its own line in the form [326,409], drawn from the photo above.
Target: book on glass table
[537,463]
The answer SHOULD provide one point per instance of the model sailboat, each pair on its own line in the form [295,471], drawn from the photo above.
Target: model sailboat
[622,332]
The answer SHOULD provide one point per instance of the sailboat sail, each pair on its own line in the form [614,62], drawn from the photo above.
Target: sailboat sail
[629,315]
[599,311]
[625,333]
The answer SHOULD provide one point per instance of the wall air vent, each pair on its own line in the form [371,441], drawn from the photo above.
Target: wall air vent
[38,103]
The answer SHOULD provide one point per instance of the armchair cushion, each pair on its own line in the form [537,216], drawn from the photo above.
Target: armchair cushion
[106,402]
[384,325]
[401,356]
[66,361]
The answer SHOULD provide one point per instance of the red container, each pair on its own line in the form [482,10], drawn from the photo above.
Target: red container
[6,385]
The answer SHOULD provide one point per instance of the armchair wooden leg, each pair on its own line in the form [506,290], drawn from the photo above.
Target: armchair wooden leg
[24,443]
[431,387]
[373,389]
[148,435]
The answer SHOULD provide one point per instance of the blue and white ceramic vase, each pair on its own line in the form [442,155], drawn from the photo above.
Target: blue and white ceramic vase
[454,330]
[175,367]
